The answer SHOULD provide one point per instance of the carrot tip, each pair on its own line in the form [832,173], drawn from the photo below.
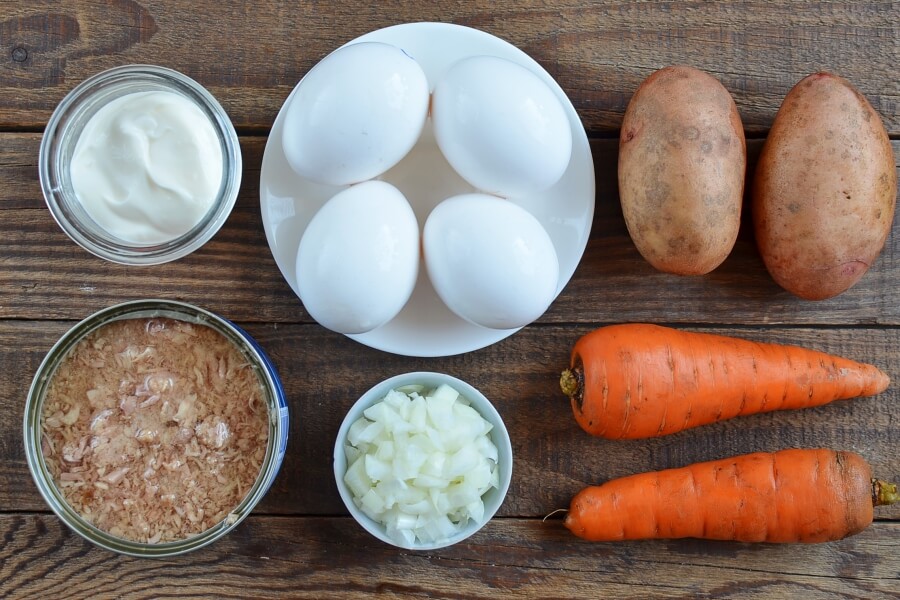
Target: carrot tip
[884,383]
[558,510]
[884,493]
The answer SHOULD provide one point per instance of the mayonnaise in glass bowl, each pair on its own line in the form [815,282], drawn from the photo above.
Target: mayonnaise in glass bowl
[424,384]
[139,117]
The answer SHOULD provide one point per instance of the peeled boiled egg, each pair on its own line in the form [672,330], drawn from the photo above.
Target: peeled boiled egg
[359,258]
[490,260]
[500,126]
[356,114]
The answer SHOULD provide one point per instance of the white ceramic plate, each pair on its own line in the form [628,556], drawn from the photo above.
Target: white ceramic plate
[425,327]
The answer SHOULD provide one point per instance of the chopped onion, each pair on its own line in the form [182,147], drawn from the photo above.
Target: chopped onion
[420,464]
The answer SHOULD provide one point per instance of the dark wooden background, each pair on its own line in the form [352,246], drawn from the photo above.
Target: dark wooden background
[300,541]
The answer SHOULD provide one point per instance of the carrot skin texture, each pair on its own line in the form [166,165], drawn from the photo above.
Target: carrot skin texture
[796,495]
[642,380]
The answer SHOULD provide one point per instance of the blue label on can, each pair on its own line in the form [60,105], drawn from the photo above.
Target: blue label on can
[280,399]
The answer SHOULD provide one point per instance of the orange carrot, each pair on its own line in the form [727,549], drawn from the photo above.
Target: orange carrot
[788,496]
[637,381]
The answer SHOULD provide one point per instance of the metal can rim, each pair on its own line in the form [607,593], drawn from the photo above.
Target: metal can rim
[274,396]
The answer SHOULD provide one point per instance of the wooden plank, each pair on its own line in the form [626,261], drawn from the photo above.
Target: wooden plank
[299,542]
[324,373]
[510,558]
[45,275]
[19,171]
[252,55]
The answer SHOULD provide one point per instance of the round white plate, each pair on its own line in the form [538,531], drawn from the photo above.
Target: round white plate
[425,327]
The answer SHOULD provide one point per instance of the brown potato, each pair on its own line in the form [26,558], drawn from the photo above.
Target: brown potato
[824,189]
[682,160]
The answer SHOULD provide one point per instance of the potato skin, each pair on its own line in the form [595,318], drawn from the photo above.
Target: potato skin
[824,189]
[682,162]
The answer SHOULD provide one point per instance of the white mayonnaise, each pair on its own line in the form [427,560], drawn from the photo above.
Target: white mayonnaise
[147,166]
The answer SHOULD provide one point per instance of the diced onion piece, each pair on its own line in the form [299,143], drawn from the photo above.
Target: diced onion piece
[356,478]
[440,408]
[372,503]
[352,453]
[406,537]
[376,469]
[422,507]
[434,464]
[355,430]
[402,520]
[476,510]
[372,432]
[444,394]
[394,399]
[418,415]
[480,475]
[421,464]
[462,494]
[440,501]
[487,448]
[427,481]
[382,412]
[391,490]
[385,450]
[462,461]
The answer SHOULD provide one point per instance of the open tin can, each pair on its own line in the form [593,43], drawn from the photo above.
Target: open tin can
[272,395]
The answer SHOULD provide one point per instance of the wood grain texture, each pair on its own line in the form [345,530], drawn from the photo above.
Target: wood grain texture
[270,557]
[324,373]
[251,55]
[300,542]
[45,275]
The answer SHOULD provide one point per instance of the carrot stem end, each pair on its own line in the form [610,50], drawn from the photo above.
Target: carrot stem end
[884,493]
[568,383]
[572,384]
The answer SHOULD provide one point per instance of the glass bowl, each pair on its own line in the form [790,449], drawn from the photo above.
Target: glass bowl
[68,122]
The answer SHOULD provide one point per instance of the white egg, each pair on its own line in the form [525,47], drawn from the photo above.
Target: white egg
[490,260]
[356,114]
[500,126]
[359,258]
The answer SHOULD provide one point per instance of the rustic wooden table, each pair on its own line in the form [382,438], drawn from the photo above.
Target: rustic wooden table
[300,542]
